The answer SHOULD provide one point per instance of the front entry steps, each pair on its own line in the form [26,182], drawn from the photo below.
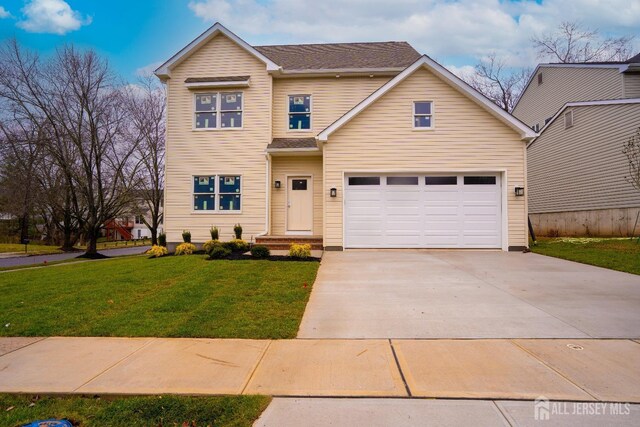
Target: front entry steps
[283,242]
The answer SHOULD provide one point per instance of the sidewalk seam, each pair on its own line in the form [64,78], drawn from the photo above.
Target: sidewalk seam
[24,346]
[395,357]
[502,412]
[152,340]
[557,371]
[244,388]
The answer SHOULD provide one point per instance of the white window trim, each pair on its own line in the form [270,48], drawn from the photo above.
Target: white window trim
[414,115]
[570,114]
[218,110]
[310,113]
[216,199]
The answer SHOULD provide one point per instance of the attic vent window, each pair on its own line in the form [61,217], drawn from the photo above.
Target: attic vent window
[568,119]
[539,78]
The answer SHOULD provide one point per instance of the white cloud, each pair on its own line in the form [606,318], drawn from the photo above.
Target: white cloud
[148,69]
[462,72]
[4,13]
[453,29]
[51,16]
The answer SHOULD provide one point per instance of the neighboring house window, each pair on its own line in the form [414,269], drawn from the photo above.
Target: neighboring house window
[568,119]
[217,192]
[299,112]
[539,78]
[423,114]
[217,110]
[139,220]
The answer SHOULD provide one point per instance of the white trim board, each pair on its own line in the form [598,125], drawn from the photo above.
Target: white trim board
[424,61]
[164,71]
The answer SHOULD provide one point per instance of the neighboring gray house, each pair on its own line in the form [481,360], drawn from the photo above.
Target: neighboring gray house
[576,168]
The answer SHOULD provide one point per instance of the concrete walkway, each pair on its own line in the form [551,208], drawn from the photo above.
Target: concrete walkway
[39,259]
[468,294]
[563,370]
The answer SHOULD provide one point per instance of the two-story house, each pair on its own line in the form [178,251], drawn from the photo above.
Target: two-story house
[348,145]
[585,113]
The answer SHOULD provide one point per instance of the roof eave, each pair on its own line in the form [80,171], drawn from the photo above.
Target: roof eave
[164,71]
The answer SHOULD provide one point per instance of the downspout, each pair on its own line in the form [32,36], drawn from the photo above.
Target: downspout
[267,192]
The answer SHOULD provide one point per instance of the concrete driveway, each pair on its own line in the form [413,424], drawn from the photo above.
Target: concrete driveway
[468,294]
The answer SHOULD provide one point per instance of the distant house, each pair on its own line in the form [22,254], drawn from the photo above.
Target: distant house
[576,169]
[347,145]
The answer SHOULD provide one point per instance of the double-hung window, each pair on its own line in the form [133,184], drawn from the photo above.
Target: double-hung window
[217,193]
[218,110]
[299,112]
[423,114]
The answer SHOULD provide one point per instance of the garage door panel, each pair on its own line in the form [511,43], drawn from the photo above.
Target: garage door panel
[424,216]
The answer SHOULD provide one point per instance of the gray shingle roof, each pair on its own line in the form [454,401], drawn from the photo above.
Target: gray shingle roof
[284,143]
[335,56]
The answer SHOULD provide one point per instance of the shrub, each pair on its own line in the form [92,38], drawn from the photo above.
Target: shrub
[300,251]
[215,233]
[219,252]
[162,240]
[237,230]
[157,251]
[186,236]
[260,252]
[209,244]
[185,249]
[236,245]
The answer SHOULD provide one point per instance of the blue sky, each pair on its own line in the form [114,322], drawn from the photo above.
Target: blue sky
[139,34]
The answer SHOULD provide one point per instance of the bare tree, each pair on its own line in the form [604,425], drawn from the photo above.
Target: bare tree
[499,83]
[146,109]
[571,42]
[632,151]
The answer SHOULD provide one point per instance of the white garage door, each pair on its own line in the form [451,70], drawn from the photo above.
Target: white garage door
[423,211]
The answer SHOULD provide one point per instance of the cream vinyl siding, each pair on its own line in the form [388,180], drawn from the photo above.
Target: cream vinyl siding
[583,168]
[632,85]
[206,152]
[562,85]
[331,97]
[465,137]
[281,167]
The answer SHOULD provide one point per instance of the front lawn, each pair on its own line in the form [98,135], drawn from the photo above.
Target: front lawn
[159,411]
[620,254]
[175,296]
[32,249]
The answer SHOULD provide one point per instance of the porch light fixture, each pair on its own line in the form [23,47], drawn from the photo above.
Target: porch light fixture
[519,191]
[333,192]
[277,184]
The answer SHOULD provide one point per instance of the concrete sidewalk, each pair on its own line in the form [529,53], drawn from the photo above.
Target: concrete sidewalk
[571,370]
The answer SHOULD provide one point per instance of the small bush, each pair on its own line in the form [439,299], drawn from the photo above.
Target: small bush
[237,230]
[186,236]
[300,251]
[162,240]
[157,251]
[185,249]
[237,245]
[209,244]
[215,233]
[219,252]
[260,252]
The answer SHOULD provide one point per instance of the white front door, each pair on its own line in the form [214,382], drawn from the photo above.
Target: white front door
[423,211]
[299,204]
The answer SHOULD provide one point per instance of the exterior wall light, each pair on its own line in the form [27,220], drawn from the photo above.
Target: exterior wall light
[519,191]
[333,192]
[277,184]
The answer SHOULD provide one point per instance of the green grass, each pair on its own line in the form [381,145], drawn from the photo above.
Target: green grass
[616,254]
[175,296]
[134,411]
[31,249]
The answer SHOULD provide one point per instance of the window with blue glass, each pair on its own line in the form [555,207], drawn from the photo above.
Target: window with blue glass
[423,114]
[218,110]
[299,112]
[204,193]
[229,186]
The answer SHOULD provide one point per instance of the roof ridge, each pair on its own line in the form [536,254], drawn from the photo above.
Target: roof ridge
[331,44]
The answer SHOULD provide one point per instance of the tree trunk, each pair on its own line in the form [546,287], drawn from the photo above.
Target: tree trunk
[67,244]
[24,227]
[92,241]
[154,235]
